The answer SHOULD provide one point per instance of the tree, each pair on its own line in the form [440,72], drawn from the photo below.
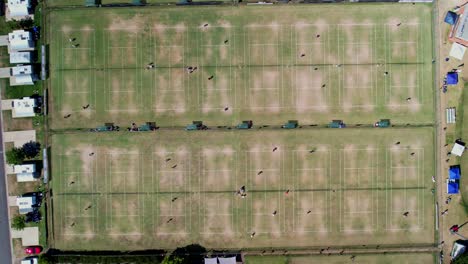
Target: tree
[463,259]
[31,149]
[172,260]
[15,156]
[190,254]
[19,222]
[45,259]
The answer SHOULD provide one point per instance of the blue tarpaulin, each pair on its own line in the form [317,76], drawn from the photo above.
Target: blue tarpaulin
[452,187]
[451,18]
[453,182]
[454,173]
[452,78]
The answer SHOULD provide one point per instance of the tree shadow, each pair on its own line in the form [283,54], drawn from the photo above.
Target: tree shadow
[191,254]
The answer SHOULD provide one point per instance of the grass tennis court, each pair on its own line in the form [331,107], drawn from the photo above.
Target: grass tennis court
[166,189]
[313,63]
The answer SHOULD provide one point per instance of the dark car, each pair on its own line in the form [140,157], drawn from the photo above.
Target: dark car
[33,216]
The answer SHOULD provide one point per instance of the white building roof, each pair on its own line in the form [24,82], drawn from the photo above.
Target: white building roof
[24,79]
[462,29]
[25,204]
[20,57]
[457,149]
[25,172]
[21,69]
[23,107]
[19,7]
[457,51]
[20,40]
[24,168]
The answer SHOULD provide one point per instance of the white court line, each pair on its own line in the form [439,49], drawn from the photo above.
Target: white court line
[418,192]
[76,49]
[371,153]
[296,186]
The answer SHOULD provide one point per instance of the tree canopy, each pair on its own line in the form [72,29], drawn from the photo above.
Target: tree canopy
[31,149]
[19,222]
[15,156]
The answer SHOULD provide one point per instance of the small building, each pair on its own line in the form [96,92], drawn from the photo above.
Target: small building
[459,28]
[20,40]
[26,204]
[25,172]
[458,148]
[20,57]
[24,107]
[22,75]
[18,9]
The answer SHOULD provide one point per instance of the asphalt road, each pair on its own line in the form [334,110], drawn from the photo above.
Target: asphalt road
[5,239]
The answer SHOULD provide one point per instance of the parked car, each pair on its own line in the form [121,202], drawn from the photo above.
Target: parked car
[34,216]
[33,250]
[30,260]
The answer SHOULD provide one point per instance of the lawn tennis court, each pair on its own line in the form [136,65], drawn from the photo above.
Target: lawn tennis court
[169,189]
[312,68]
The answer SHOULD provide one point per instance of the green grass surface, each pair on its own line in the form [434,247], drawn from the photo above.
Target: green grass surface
[356,184]
[375,259]
[81,3]
[462,129]
[259,73]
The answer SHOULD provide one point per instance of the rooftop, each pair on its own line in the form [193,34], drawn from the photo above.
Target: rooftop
[21,69]
[23,107]
[18,7]
[20,40]
[462,28]
[25,204]
[24,168]
[20,57]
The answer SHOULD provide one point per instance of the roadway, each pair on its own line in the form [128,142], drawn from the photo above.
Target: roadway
[5,239]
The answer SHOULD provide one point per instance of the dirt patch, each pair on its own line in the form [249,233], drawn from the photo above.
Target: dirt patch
[217,94]
[218,216]
[135,24]
[310,93]
[218,168]
[66,29]
[169,93]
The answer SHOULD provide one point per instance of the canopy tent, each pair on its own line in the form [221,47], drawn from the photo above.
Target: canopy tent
[457,51]
[211,261]
[457,250]
[453,182]
[454,173]
[451,18]
[458,148]
[231,260]
[452,78]
[452,187]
